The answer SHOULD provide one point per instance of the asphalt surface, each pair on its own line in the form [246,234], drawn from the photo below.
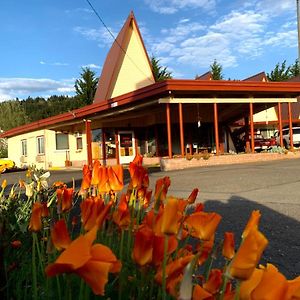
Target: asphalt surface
[234,191]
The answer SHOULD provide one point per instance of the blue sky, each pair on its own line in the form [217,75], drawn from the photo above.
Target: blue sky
[44,44]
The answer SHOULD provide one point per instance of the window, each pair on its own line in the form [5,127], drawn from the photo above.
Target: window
[24,147]
[40,141]
[62,141]
[79,141]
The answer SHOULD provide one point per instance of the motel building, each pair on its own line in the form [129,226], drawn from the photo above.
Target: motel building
[132,113]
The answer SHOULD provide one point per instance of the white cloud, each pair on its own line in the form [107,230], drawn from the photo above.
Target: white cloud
[11,88]
[283,39]
[100,35]
[276,7]
[172,6]
[91,66]
[57,64]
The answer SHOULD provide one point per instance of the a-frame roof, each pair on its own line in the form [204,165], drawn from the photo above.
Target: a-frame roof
[257,77]
[127,66]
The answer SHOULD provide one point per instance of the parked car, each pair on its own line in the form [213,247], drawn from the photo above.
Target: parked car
[6,164]
[260,142]
[286,136]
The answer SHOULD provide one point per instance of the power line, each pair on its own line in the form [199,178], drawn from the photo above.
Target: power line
[115,40]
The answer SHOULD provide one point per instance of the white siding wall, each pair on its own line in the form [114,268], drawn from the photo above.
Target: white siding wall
[52,158]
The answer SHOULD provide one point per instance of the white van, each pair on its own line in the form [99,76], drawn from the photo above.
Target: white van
[286,137]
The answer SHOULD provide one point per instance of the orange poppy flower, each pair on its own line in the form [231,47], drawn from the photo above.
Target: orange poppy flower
[203,225]
[161,189]
[252,222]
[95,172]
[174,268]
[170,220]
[258,285]
[293,291]
[205,249]
[60,235]
[147,198]
[248,255]
[139,176]
[121,216]
[193,196]
[214,281]
[199,293]
[199,207]
[67,199]
[4,184]
[16,244]
[115,177]
[45,210]
[86,178]
[35,223]
[103,185]
[92,263]
[142,249]
[138,159]
[228,245]
[158,248]
[93,211]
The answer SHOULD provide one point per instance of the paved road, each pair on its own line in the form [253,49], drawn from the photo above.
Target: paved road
[234,191]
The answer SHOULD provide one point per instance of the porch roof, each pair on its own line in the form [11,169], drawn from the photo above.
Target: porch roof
[151,94]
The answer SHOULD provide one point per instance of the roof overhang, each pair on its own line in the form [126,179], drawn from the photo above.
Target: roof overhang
[226,100]
[210,90]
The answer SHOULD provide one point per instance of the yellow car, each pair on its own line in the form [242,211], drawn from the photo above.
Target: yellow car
[6,164]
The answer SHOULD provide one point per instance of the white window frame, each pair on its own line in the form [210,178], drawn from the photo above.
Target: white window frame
[39,145]
[79,137]
[24,147]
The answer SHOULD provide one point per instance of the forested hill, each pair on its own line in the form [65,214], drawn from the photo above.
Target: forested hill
[15,113]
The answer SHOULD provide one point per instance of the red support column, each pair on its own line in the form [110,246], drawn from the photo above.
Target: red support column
[169,130]
[88,134]
[117,147]
[291,126]
[103,147]
[181,129]
[251,127]
[216,124]
[280,124]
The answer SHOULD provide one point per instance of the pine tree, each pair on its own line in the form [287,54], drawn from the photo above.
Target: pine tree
[86,86]
[280,73]
[216,70]
[160,73]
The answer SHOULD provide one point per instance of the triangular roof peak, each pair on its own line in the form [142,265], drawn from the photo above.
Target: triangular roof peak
[127,65]
[205,76]
[258,77]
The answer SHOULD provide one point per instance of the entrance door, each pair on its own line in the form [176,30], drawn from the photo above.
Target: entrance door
[126,146]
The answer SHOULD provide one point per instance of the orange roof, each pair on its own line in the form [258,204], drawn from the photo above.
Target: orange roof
[213,88]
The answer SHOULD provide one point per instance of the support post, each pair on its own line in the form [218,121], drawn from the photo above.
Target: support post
[169,130]
[291,126]
[88,134]
[181,128]
[117,147]
[103,147]
[280,124]
[216,125]
[251,127]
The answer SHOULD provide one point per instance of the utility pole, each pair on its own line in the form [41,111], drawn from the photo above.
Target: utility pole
[298,26]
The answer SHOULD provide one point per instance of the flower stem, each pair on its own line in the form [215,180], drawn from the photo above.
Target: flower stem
[34,278]
[164,279]
[237,290]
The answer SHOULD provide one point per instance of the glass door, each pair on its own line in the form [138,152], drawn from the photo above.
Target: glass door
[126,146]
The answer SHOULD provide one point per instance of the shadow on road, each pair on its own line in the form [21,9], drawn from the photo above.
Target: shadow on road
[282,232]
